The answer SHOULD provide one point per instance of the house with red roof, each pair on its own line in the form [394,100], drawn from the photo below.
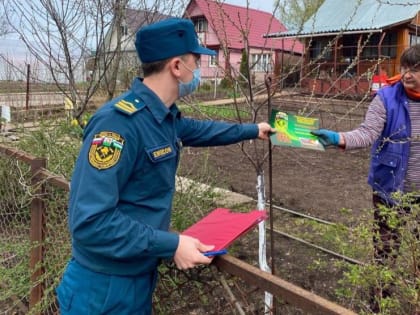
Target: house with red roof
[230,30]
[227,29]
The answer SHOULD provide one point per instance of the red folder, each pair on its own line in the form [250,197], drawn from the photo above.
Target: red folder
[221,226]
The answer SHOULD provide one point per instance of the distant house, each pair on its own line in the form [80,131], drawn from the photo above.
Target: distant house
[351,44]
[129,60]
[225,28]
[221,27]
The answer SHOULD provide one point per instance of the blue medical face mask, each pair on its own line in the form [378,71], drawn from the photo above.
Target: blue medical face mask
[187,88]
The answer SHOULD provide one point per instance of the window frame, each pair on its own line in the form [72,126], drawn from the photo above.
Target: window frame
[200,25]
[414,39]
[214,60]
[261,62]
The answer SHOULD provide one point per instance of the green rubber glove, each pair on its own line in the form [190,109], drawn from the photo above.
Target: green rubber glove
[327,137]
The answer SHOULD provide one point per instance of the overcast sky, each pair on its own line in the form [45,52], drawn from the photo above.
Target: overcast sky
[15,49]
[264,5]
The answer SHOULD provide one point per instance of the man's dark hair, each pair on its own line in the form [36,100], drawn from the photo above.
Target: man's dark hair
[410,58]
[157,66]
[153,67]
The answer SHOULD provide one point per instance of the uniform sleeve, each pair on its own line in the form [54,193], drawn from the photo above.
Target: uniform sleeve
[96,222]
[370,129]
[211,133]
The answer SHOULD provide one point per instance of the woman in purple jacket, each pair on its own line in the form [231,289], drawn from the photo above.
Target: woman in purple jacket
[392,127]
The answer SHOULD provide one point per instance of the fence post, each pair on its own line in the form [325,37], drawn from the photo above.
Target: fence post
[28,74]
[37,231]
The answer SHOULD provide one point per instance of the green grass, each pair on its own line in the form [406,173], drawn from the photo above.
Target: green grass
[215,111]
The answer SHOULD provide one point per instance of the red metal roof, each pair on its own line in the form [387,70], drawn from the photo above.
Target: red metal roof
[230,21]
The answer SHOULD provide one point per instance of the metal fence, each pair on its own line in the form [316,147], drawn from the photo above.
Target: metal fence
[33,238]
[35,244]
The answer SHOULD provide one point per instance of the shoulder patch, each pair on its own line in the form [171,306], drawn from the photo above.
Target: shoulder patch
[105,150]
[129,105]
[126,107]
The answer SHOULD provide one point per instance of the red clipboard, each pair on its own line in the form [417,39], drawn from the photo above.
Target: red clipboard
[222,227]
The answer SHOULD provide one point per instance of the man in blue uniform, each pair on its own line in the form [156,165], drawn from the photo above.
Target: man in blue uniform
[124,179]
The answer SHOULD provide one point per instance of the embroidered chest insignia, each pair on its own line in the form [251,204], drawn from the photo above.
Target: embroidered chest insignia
[161,153]
[105,150]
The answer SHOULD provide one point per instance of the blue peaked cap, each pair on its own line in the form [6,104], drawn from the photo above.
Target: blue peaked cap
[168,38]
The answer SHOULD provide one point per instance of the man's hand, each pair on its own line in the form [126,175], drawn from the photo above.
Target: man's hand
[265,130]
[190,253]
[327,137]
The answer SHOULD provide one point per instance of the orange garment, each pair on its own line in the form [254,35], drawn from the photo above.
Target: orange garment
[414,95]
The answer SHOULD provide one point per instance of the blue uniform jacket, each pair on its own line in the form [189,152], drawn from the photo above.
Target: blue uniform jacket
[124,180]
[390,153]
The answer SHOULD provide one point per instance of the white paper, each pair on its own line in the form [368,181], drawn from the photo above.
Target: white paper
[5,113]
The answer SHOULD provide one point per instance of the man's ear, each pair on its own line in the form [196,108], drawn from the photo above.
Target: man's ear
[174,66]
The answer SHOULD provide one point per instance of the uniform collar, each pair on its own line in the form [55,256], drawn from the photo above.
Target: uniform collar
[153,102]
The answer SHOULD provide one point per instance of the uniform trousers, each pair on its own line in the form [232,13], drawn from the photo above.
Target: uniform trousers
[83,291]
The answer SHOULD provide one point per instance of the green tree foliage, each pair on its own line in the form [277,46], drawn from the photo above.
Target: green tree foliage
[294,13]
[244,67]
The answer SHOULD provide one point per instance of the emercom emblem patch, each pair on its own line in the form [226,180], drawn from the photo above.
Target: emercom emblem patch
[105,150]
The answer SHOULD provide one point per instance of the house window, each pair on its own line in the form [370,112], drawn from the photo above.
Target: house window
[261,62]
[388,46]
[214,60]
[349,49]
[321,49]
[414,39]
[200,25]
[124,30]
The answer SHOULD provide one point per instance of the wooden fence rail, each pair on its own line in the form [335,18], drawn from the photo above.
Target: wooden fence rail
[290,293]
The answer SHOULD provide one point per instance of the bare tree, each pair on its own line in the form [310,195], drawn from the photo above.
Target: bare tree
[66,35]
[61,35]
[129,16]
[296,12]
[4,25]
[119,9]
[252,100]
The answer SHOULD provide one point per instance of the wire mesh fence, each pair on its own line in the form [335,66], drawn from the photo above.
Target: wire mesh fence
[35,246]
[15,231]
